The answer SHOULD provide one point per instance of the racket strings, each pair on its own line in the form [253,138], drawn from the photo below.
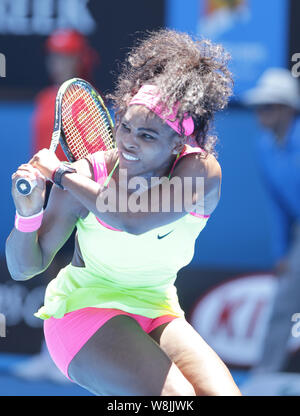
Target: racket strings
[84,135]
[83,104]
[85,123]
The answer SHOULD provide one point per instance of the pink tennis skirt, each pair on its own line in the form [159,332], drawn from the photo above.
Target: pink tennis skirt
[67,335]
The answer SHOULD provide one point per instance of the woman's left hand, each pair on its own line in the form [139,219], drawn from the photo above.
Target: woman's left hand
[46,162]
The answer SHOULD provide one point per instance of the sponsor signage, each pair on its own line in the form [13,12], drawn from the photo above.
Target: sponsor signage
[232,318]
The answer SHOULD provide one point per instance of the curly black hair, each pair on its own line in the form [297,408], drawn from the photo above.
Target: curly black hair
[188,70]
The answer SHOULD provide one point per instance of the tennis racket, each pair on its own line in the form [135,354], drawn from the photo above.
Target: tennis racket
[82,125]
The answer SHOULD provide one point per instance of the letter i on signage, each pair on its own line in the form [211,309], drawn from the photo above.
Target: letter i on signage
[2,326]
[2,66]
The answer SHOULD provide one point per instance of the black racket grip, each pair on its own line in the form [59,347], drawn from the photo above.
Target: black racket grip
[25,186]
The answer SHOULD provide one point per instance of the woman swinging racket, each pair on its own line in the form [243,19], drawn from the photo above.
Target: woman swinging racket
[112,319]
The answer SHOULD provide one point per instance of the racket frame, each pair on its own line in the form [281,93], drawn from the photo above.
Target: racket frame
[58,126]
[58,135]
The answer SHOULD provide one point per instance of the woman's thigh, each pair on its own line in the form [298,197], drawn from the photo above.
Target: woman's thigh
[195,359]
[121,359]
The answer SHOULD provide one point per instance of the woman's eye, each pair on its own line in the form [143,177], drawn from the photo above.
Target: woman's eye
[148,137]
[125,127]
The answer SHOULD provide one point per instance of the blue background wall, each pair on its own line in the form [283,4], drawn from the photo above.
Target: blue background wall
[15,138]
[244,32]
[237,234]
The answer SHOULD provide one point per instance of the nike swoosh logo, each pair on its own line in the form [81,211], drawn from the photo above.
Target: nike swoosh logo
[162,236]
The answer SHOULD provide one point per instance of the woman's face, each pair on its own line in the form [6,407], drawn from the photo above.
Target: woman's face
[146,145]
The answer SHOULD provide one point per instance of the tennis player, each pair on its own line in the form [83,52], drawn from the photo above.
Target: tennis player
[112,319]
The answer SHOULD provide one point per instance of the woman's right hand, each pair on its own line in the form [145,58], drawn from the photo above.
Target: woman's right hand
[27,205]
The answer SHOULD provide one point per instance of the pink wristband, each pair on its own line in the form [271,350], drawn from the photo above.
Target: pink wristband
[28,224]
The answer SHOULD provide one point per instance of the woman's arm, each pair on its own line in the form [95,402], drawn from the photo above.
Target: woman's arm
[195,187]
[29,254]
[161,204]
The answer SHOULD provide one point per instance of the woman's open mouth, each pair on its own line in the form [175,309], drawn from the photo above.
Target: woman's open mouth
[129,157]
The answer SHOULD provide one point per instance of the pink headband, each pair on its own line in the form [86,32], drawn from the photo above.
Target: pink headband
[148,95]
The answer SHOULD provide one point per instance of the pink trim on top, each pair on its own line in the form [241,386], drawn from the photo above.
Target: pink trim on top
[100,175]
[187,150]
[199,215]
[99,166]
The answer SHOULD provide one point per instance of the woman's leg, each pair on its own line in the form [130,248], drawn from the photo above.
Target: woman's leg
[121,359]
[195,359]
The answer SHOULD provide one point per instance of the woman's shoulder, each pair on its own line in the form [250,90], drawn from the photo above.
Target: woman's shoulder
[197,162]
[206,166]
[213,167]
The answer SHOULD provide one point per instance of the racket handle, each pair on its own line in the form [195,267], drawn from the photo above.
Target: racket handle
[25,186]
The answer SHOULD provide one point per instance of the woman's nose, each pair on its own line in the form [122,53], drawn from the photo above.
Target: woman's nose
[130,141]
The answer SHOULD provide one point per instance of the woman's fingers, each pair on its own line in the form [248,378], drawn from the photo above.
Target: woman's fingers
[33,175]
[29,171]
[45,161]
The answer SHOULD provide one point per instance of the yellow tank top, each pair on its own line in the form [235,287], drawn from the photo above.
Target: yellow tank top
[134,273]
